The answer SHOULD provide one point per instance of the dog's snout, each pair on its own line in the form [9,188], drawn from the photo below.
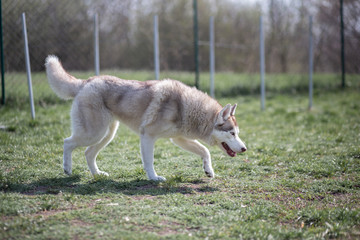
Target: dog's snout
[243,149]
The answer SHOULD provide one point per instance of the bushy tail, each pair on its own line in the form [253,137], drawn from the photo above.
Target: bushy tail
[62,83]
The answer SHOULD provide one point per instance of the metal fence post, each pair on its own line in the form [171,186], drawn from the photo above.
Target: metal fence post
[2,59]
[262,64]
[27,61]
[310,63]
[156,48]
[196,44]
[342,44]
[96,45]
[212,57]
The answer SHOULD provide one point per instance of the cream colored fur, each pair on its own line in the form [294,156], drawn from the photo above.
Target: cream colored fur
[153,109]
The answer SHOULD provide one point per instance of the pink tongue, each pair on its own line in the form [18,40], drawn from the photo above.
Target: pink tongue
[230,152]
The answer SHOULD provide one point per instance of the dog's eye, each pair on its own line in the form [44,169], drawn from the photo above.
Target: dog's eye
[232,133]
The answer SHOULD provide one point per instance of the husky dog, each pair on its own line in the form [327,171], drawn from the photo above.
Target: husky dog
[153,109]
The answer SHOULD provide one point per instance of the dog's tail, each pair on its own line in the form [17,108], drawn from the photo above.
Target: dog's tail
[62,83]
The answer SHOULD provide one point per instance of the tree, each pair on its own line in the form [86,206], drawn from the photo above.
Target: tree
[328,18]
[65,28]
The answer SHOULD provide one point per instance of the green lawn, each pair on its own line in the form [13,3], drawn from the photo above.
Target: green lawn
[227,84]
[299,179]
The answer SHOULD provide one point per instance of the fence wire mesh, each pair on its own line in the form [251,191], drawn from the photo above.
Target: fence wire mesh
[65,28]
[53,27]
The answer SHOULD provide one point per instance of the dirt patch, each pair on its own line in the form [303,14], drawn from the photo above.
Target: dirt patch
[37,191]
[142,197]
[147,187]
[299,201]
[168,228]
[48,213]
[80,223]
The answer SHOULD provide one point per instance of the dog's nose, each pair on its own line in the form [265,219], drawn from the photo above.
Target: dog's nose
[243,149]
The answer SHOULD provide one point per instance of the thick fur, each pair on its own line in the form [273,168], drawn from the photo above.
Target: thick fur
[153,109]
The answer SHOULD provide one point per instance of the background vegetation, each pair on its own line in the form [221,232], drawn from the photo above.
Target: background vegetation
[65,28]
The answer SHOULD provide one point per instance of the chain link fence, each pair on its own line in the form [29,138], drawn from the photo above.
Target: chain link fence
[54,27]
[65,28]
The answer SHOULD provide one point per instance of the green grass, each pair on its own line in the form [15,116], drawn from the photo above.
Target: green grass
[227,84]
[299,179]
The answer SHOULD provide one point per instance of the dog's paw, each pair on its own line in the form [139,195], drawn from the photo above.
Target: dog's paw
[102,173]
[158,179]
[210,173]
[67,171]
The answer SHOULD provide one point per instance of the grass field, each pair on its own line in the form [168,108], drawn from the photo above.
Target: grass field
[299,179]
[227,84]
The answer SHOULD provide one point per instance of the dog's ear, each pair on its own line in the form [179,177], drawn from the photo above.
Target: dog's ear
[232,112]
[224,114]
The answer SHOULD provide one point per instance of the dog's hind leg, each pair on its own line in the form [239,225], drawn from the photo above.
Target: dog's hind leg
[197,148]
[69,146]
[92,151]
[90,125]
[81,140]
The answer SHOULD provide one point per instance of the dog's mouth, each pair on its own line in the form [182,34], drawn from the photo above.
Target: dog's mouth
[228,150]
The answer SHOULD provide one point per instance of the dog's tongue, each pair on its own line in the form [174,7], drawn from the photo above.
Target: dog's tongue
[230,152]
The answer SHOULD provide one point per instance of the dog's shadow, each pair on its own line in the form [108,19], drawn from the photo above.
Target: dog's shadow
[72,184]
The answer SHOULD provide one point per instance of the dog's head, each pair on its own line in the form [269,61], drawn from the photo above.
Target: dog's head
[226,131]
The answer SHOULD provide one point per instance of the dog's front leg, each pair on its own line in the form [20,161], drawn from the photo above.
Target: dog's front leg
[195,147]
[147,155]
